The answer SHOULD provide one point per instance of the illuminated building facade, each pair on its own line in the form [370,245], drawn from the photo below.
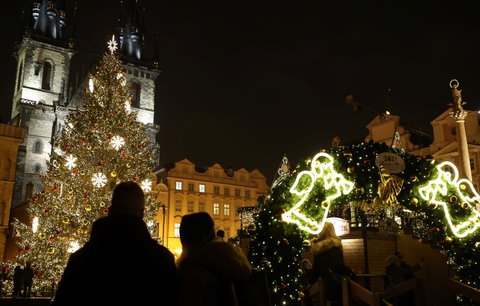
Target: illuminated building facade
[187,188]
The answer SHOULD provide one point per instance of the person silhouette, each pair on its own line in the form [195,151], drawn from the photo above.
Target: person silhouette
[27,279]
[17,281]
[208,266]
[221,235]
[328,263]
[120,264]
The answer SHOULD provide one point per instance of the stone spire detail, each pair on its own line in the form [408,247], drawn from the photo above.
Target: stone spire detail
[459,114]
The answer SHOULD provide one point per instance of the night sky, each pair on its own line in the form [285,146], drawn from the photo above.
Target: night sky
[243,83]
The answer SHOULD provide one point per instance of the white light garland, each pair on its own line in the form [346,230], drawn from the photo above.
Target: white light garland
[35,224]
[91,86]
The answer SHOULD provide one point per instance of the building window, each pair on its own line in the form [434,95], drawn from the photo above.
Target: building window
[178,206]
[190,206]
[178,185]
[201,188]
[247,194]
[37,148]
[176,230]
[20,76]
[37,168]
[29,190]
[226,192]
[237,192]
[226,209]
[216,190]
[135,94]
[201,206]
[472,164]
[237,207]
[216,208]
[190,187]
[46,76]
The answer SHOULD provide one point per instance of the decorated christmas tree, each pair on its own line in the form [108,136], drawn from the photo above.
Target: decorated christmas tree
[101,144]
[375,183]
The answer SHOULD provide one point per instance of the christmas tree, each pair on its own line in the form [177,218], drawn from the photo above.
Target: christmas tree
[100,145]
[429,198]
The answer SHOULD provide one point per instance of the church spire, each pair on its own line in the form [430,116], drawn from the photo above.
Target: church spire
[48,20]
[131,29]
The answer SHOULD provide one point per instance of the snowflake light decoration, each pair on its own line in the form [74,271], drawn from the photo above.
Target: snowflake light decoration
[71,162]
[112,45]
[99,180]
[74,245]
[146,185]
[117,142]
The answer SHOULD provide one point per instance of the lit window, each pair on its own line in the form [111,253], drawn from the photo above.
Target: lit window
[201,206]
[216,190]
[178,205]
[226,209]
[216,208]
[190,206]
[201,187]
[178,185]
[176,230]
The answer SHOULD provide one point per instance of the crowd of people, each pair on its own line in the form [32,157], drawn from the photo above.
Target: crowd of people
[122,264]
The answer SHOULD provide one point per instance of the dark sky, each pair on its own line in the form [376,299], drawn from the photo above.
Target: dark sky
[245,82]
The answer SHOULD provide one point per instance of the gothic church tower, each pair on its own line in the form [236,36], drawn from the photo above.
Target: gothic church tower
[42,95]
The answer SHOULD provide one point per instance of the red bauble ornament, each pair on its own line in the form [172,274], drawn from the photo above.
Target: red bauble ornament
[36,197]
[75,171]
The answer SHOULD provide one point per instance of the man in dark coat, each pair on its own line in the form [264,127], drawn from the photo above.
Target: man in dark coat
[120,264]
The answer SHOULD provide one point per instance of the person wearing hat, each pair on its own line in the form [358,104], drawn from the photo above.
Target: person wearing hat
[120,264]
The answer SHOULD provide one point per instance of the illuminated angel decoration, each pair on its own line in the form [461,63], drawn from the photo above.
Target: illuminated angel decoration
[389,187]
[334,183]
[437,190]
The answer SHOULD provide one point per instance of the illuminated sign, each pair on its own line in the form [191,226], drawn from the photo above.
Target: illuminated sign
[342,226]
